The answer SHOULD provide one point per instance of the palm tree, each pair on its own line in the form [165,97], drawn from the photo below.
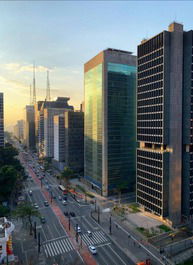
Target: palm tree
[65,175]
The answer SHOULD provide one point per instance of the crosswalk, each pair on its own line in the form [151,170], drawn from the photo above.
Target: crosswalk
[98,237]
[57,247]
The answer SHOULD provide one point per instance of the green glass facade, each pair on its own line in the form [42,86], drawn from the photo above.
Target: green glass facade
[121,125]
[93,125]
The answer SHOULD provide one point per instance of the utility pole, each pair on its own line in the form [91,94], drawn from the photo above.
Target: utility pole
[98,215]
[95,204]
[35,234]
[110,226]
[69,221]
[48,88]
[77,233]
[51,196]
[39,242]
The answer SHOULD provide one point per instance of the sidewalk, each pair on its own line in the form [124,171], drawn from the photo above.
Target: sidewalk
[25,246]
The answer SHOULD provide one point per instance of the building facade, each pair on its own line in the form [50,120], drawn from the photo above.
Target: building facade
[74,140]
[30,128]
[1,120]
[164,126]
[110,129]
[19,130]
[59,137]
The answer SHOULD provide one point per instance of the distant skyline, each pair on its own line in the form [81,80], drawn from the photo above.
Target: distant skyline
[62,36]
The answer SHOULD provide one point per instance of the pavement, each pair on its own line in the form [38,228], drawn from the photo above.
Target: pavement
[58,240]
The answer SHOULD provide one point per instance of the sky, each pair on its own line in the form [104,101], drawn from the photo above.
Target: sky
[62,35]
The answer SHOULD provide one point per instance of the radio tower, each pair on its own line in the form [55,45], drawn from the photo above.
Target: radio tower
[48,88]
[34,86]
[30,99]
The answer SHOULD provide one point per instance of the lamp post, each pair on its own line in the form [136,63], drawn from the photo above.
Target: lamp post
[110,225]
[98,215]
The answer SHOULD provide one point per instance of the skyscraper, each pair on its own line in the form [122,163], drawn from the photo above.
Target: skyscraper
[30,127]
[110,143]
[1,120]
[164,127]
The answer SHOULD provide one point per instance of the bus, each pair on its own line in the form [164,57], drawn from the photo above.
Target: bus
[63,189]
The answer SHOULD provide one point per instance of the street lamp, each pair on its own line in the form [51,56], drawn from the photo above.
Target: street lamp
[110,225]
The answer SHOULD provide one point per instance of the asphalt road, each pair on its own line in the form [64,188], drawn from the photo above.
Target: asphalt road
[56,245]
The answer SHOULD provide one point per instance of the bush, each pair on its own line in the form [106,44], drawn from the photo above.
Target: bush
[81,188]
[134,207]
[89,195]
[164,228]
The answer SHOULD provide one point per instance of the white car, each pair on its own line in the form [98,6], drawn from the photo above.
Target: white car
[89,233]
[36,206]
[78,229]
[64,202]
[92,250]
[30,192]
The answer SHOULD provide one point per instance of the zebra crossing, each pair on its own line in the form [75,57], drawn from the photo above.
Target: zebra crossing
[57,247]
[98,237]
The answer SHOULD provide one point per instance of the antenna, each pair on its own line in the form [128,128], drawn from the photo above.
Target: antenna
[34,86]
[30,101]
[48,88]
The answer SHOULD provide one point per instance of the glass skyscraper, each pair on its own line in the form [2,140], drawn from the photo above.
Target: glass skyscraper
[110,129]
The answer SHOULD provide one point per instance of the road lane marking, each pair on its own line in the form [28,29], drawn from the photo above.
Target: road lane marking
[117,255]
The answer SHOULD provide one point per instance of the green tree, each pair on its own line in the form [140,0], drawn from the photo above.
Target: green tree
[120,188]
[4,211]
[26,211]
[66,175]
[8,178]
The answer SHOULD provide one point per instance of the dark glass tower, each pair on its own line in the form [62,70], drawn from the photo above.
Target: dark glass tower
[110,143]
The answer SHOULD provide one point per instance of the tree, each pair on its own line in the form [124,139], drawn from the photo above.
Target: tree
[121,187]
[8,178]
[4,211]
[66,175]
[26,211]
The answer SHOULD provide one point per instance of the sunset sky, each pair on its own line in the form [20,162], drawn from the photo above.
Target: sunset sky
[62,36]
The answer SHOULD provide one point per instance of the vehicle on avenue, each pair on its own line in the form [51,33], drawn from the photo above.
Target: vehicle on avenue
[66,213]
[64,202]
[78,229]
[72,214]
[92,250]
[89,233]
[53,196]
[46,203]
[30,192]
[47,187]
[59,198]
[43,220]
[36,206]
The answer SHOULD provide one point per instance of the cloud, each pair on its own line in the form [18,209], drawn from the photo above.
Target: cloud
[17,67]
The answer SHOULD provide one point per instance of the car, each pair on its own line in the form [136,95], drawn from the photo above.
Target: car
[59,198]
[89,233]
[92,250]
[46,203]
[47,187]
[78,229]
[46,180]
[53,196]
[64,202]
[43,220]
[66,213]
[36,206]
[72,214]
[30,192]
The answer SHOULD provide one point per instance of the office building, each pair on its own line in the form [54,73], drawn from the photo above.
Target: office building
[30,127]
[110,123]
[59,138]
[49,110]
[74,140]
[164,124]
[19,130]
[1,120]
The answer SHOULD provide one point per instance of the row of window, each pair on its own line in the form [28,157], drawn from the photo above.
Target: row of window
[150,57]
[150,79]
[147,109]
[149,187]
[150,169]
[149,198]
[150,94]
[150,116]
[149,87]
[150,64]
[151,101]
[151,155]
[151,177]
[150,45]
[149,131]
[149,206]
[153,163]
[150,124]
[150,138]
[150,72]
